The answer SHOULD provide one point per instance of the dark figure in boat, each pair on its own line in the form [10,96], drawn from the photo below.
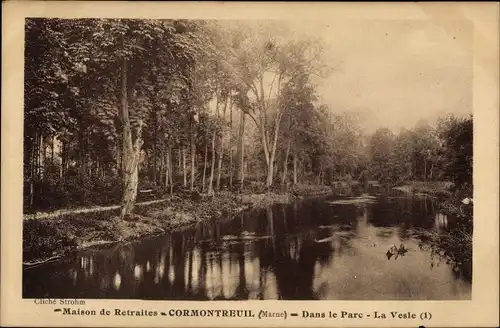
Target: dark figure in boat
[394,251]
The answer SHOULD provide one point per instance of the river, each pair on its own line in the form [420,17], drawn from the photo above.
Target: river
[313,249]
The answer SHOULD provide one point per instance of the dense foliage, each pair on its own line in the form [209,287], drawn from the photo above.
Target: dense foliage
[113,106]
[426,153]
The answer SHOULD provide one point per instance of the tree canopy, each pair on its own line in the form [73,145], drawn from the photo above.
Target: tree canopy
[117,105]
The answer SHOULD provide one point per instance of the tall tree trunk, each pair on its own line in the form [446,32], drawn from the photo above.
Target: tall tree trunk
[204,167]
[272,153]
[184,172]
[82,149]
[63,160]
[270,172]
[264,138]
[285,164]
[155,138]
[119,158]
[230,147]
[242,150]
[425,170]
[162,166]
[295,167]
[39,166]
[193,155]
[170,171]
[167,168]
[52,150]
[36,155]
[131,152]
[221,147]
[97,168]
[179,159]
[42,157]
[212,166]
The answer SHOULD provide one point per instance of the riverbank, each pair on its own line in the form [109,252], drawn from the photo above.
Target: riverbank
[454,245]
[53,235]
[440,189]
[450,199]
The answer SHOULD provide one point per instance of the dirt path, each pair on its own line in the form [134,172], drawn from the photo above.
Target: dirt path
[62,212]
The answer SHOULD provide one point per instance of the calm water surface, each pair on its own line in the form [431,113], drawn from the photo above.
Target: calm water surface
[270,254]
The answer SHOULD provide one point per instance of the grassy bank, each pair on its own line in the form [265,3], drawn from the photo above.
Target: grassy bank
[56,234]
[449,197]
[441,189]
[455,245]
[277,196]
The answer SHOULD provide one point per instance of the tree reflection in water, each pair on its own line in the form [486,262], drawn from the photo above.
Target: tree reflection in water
[199,264]
[259,254]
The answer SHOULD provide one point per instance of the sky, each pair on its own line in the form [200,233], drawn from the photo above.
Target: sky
[394,73]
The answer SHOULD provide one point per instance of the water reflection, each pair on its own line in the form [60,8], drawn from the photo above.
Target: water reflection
[117,281]
[308,250]
[441,222]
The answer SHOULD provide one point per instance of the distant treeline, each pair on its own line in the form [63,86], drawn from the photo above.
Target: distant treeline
[425,153]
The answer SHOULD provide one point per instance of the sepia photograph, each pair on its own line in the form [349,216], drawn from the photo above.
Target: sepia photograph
[165,160]
[237,160]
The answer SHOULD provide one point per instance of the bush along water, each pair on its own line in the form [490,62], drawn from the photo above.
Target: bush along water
[454,245]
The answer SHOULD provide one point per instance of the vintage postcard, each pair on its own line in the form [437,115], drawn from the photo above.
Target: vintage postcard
[211,164]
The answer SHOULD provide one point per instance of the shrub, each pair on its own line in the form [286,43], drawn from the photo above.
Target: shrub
[42,239]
